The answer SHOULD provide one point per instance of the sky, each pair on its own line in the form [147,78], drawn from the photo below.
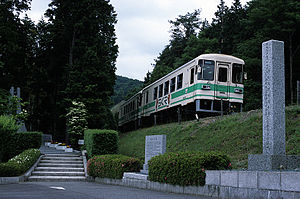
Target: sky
[142,29]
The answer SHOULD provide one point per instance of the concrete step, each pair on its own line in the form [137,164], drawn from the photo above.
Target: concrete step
[61,158]
[61,155]
[62,161]
[56,173]
[59,169]
[60,165]
[56,178]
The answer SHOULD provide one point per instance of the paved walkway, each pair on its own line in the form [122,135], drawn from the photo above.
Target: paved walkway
[82,190]
[51,150]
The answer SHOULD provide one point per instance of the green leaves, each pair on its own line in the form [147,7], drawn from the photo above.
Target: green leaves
[112,166]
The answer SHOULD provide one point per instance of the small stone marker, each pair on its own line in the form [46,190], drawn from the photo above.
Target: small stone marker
[154,145]
[273,156]
[80,142]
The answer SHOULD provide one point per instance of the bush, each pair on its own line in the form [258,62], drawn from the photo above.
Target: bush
[8,126]
[112,166]
[185,168]
[101,142]
[22,141]
[20,163]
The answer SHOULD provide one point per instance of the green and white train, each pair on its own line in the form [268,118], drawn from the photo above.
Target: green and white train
[210,83]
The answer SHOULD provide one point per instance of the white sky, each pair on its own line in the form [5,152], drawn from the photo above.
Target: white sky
[143,28]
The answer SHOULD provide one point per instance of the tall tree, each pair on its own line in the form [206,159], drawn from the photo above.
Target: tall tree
[182,29]
[85,52]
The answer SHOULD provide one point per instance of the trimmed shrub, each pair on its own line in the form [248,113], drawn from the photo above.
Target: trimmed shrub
[25,140]
[112,166]
[18,142]
[101,142]
[20,163]
[8,126]
[185,168]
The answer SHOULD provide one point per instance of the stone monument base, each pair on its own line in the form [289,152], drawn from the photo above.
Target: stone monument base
[262,162]
[145,169]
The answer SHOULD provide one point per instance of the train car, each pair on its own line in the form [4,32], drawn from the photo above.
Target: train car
[210,83]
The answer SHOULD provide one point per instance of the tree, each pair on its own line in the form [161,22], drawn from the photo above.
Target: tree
[85,52]
[182,28]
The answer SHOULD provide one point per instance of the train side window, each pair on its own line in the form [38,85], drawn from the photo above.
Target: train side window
[192,75]
[140,100]
[222,75]
[147,97]
[155,93]
[173,82]
[160,93]
[179,81]
[166,91]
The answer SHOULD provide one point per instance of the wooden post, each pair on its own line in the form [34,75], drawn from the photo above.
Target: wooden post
[179,114]
[221,107]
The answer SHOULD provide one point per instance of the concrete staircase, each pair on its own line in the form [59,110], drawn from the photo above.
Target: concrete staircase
[59,167]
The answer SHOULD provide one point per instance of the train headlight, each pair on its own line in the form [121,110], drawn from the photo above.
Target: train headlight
[238,90]
[205,87]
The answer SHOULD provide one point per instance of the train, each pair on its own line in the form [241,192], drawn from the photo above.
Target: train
[210,83]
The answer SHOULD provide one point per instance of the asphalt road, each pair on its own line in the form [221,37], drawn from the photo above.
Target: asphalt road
[82,190]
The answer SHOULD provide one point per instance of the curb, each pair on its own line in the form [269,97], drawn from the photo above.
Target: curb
[84,163]
[22,178]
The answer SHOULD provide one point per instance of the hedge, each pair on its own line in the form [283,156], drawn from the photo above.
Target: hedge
[20,163]
[185,168]
[112,166]
[101,142]
[18,142]
[7,127]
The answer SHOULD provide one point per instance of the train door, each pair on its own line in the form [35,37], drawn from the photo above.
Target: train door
[191,80]
[222,83]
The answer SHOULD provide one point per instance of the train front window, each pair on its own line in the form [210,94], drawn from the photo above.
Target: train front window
[207,70]
[237,73]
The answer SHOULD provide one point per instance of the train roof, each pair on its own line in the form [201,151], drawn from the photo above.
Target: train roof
[219,57]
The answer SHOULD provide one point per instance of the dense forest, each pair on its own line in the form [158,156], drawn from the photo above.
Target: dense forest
[124,88]
[237,31]
[71,56]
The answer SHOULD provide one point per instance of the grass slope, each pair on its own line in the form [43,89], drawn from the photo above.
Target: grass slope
[236,135]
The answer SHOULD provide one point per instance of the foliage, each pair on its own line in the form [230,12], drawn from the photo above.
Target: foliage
[13,143]
[20,163]
[112,166]
[101,142]
[236,135]
[21,141]
[76,118]
[71,56]
[124,87]
[8,126]
[73,140]
[184,169]
[238,31]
